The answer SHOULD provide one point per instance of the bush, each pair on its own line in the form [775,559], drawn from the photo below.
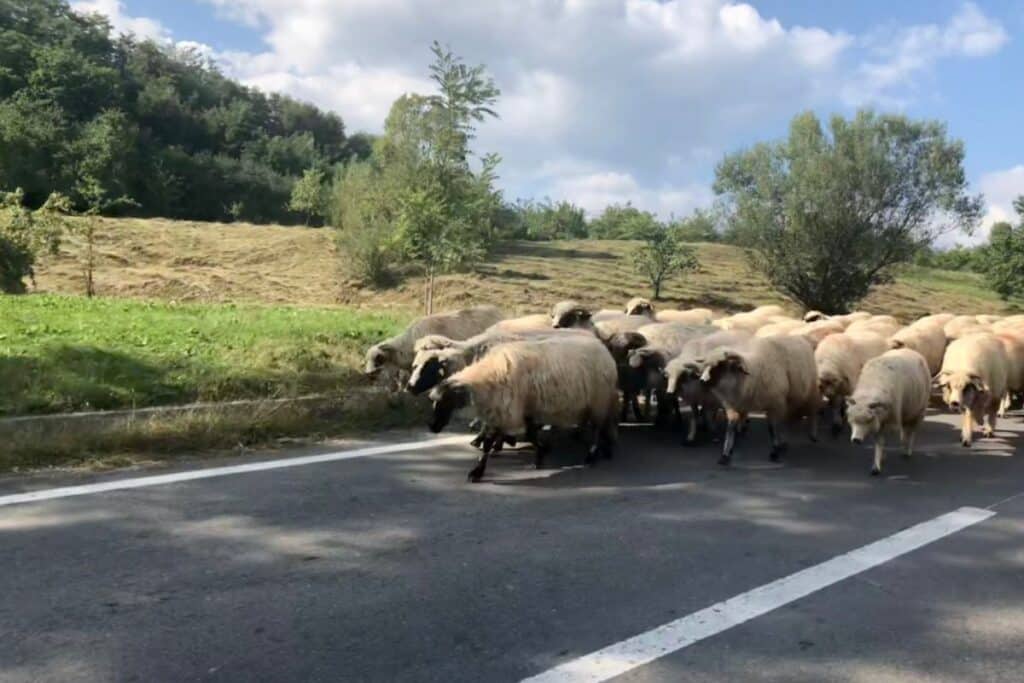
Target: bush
[662,257]
[365,226]
[24,234]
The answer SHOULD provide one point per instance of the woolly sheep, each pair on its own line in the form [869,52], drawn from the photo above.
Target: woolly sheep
[574,314]
[1008,323]
[682,375]
[526,323]
[892,393]
[985,319]
[769,310]
[845,319]
[973,381]
[882,325]
[650,349]
[692,316]
[398,350]
[565,382]
[928,339]
[640,306]
[961,326]
[776,375]
[816,331]
[742,321]
[778,328]
[839,359]
[1013,344]
[939,319]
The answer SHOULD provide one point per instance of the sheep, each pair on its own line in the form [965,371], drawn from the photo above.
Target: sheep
[892,393]
[814,315]
[770,310]
[564,382]
[526,323]
[692,316]
[742,321]
[640,306]
[574,314]
[649,350]
[973,381]
[985,319]
[1008,323]
[778,328]
[776,375]
[882,325]
[398,350]
[845,320]
[927,338]
[1013,344]
[839,359]
[682,375]
[961,326]
[816,331]
[939,319]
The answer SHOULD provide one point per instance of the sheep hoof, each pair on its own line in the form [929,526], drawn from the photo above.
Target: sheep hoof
[477,442]
[474,424]
[725,460]
[966,443]
[475,475]
[875,471]
[836,431]
[987,433]
[510,441]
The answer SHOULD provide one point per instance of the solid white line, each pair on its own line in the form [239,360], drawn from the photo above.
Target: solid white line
[209,473]
[629,654]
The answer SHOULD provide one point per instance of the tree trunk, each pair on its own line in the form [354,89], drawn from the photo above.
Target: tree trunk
[430,290]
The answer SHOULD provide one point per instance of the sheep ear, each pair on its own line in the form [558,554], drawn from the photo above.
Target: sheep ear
[874,405]
[850,401]
[978,383]
[736,361]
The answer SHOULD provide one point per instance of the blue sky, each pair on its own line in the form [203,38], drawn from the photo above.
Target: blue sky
[633,100]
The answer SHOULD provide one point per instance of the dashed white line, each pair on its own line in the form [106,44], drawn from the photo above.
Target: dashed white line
[211,472]
[644,648]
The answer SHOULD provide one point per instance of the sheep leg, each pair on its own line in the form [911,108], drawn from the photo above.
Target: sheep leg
[778,439]
[836,409]
[966,428]
[991,415]
[730,438]
[540,449]
[812,426]
[907,434]
[609,437]
[876,467]
[1004,405]
[691,430]
[593,443]
[477,473]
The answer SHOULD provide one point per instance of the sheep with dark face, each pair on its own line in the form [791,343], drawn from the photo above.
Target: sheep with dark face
[574,314]
[892,393]
[397,352]
[840,358]
[682,376]
[774,375]
[516,387]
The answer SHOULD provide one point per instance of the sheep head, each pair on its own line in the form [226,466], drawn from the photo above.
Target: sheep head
[722,365]
[866,419]
[447,397]
[621,344]
[569,314]
[377,357]
[431,367]
[639,306]
[960,390]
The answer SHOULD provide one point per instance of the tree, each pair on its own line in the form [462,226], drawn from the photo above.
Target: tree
[361,211]
[828,215]
[662,257]
[700,226]
[624,222]
[25,234]
[309,195]
[445,208]
[1004,259]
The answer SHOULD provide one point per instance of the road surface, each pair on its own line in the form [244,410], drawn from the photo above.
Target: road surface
[385,565]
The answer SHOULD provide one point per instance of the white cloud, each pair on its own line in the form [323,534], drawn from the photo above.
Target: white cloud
[142,27]
[603,100]
[902,56]
[1000,189]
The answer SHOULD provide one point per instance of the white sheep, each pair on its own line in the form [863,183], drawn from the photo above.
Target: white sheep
[892,393]
[574,314]
[398,351]
[962,326]
[516,387]
[777,329]
[816,331]
[973,381]
[839,359]
[882,325]
[769,311]
[682,375]
[939,319]
[1013,344]
[776,375]
[638,305]
[926,338]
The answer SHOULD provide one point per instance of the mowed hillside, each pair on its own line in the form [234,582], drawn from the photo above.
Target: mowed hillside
[209,262]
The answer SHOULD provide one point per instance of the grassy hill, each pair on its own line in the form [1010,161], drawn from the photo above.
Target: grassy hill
[213,263]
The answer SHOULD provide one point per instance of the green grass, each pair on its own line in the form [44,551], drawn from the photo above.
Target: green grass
[64,353]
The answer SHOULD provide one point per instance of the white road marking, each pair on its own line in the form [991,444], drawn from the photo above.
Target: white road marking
[644,648]
[209,473]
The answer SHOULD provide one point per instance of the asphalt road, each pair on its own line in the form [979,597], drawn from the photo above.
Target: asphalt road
[391,567]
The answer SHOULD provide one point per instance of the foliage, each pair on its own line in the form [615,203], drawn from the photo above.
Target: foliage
[544,220]
[309,195]
[1004,270]
[700,226]
[663,256]
[972,259]
[624,222]
[151,121]
[360,211]
[24,234]
[828,215]
[431,207]
[70,353]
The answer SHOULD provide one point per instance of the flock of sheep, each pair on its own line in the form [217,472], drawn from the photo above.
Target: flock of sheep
[584,370]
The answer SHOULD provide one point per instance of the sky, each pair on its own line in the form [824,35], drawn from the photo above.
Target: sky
[614,101]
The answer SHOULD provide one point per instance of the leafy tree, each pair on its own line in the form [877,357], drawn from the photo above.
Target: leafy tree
[361,210]
[828,215]
[1005,257]
[309,195]
[662,257]
[542,221]
[24,234]
[700,226]
[624,222]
